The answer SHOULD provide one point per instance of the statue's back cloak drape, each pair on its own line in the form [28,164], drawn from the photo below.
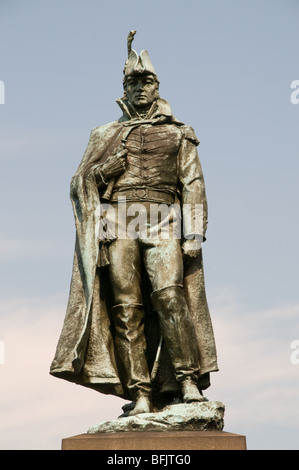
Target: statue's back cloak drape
[85,352]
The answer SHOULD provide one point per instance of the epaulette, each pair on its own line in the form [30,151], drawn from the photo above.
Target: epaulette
[189,134]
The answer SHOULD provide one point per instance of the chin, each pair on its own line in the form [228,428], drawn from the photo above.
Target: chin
[142,103]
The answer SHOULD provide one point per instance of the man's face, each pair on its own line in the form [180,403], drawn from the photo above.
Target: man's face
[141,90]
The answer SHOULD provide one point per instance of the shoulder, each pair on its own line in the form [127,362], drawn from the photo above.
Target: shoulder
[189,134]
[101,131]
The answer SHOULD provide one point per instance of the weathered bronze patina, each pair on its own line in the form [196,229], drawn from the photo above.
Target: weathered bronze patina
[133,296]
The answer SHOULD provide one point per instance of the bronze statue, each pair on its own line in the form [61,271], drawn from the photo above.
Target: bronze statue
[137,322]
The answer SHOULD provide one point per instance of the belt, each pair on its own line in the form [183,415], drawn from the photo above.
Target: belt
[143,194]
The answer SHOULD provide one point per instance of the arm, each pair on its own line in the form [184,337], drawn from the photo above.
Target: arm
[194,202]
[111,168]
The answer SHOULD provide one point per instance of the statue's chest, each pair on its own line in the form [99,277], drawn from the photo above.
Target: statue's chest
[151,142]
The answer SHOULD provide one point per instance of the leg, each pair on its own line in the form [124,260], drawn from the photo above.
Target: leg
[128,316]
[124,271]
[164,264]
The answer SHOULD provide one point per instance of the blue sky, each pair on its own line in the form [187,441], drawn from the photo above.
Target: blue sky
[226,68]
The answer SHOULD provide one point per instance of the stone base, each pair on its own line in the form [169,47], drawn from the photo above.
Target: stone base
[185,440]
[203,416]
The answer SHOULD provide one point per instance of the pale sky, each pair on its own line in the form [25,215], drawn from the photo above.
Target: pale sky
[226,67]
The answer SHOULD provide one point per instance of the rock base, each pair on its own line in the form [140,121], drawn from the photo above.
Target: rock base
[206,416]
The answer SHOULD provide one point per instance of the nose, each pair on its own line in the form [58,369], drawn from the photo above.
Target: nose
[140,85]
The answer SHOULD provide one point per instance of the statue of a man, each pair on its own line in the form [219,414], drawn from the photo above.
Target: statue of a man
[130,292]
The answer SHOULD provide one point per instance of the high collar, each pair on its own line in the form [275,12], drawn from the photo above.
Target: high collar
[159,112]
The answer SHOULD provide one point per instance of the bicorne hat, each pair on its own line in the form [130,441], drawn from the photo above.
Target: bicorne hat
[137,64]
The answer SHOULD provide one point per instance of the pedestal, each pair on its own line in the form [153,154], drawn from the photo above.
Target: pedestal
[185,440]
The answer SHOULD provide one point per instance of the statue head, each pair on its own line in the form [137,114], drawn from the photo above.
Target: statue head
[141,85]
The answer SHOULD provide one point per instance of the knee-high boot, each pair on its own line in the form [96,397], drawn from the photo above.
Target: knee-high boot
[178,331]
[131,347]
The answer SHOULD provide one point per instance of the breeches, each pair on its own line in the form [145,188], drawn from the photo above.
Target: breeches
[163,262]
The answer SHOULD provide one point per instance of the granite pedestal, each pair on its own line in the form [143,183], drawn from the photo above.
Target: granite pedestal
[185,440]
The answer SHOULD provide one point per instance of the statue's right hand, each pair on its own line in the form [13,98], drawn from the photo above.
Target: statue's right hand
[114,165]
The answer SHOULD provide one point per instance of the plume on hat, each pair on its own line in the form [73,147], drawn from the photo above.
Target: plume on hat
[137,64]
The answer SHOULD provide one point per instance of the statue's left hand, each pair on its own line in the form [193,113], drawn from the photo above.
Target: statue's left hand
[191,249]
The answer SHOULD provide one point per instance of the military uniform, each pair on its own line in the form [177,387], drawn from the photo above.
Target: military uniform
[104,343]
[162,166]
